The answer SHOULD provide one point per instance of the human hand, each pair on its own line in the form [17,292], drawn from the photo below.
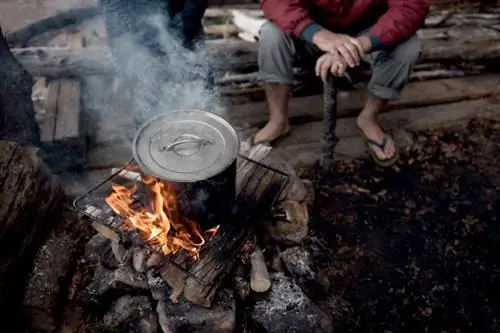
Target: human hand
[330,63]
[345,46]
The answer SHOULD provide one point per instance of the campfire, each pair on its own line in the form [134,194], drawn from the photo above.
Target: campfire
[158,221]
[194,259]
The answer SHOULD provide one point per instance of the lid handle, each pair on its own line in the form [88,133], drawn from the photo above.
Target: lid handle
[186,139]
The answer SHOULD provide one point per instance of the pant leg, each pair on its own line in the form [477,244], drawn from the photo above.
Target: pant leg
[392,68]
[279,53]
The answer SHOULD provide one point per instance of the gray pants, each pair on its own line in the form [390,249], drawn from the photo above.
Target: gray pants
[279,53]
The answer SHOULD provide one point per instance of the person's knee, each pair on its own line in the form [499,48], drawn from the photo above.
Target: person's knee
[408,52]
[276,54]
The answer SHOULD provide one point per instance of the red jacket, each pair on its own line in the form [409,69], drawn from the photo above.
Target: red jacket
[402,18]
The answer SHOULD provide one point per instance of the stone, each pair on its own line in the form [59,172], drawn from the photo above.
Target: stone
[123,278]
[131,314]
[98,250]
[286,308]
[123,255]
[299,262]
[157,285]
[289,224]
[186,317]
[140,257]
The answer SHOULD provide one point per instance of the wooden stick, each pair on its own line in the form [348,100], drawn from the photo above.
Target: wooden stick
[259,276]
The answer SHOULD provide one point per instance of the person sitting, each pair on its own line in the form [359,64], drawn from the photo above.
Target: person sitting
[333,36]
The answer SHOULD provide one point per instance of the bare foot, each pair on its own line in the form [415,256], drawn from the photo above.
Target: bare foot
[373,131]
[271,131]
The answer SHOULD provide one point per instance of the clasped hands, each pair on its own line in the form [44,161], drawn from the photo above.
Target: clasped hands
[341,53]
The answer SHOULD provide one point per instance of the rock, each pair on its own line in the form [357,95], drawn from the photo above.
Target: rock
[98,250]
[123,278]
[157,285]
[155,260]
[131,314]
[300,264]
[139,259]
[185,317]
[122,254]
[289,224]
[288,309]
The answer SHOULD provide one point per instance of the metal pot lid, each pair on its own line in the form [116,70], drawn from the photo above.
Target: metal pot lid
[185,146]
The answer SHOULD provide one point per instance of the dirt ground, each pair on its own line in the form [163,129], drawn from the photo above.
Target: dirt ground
[414,248]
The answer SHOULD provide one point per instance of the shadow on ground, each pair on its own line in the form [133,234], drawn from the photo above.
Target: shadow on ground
[415,248]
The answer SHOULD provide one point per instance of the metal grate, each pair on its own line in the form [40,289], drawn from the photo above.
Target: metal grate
[258,189]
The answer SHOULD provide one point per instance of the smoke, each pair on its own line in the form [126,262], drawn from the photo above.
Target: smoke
[162,71]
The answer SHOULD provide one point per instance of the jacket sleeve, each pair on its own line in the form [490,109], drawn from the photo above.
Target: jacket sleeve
[402,20]
[291,16]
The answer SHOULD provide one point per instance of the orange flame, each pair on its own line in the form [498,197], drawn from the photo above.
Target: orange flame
[161,225]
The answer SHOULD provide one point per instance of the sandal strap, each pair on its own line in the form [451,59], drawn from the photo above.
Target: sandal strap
[378,144]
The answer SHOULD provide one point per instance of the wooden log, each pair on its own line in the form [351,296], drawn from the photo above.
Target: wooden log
[30,208]
[61,20]
[416,94]
[259,275]
[230,55]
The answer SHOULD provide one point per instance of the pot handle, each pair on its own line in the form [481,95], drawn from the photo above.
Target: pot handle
[190,139]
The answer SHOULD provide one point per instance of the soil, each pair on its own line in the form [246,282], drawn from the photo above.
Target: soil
[414,248]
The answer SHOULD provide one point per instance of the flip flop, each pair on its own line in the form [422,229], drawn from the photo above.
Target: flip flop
[270,142]
[386,162]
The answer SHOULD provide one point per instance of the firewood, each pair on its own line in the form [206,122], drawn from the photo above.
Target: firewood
[259,276]
[173,271]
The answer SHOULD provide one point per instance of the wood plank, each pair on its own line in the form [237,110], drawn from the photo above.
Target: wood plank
[68,111]
[47,121]
[66,151]
[302,147]
[420,94]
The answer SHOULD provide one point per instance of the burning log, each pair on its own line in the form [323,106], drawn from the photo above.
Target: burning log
[218,259]
[259,276]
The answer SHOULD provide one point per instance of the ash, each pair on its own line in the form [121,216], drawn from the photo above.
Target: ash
[285,294]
